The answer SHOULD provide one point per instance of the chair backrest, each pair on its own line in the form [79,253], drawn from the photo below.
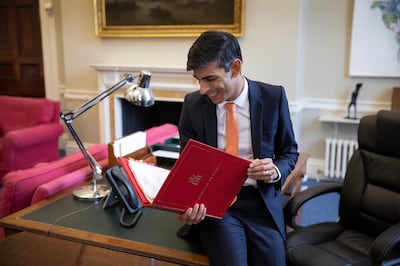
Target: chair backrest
[20,112]
[370,200]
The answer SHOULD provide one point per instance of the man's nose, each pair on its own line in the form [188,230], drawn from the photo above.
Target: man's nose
[204,87]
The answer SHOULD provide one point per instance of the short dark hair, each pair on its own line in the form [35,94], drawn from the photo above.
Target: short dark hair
[213,46]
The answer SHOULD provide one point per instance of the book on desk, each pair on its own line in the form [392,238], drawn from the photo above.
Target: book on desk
[202,174]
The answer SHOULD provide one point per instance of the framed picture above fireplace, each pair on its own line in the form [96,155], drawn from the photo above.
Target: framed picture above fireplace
[167,18]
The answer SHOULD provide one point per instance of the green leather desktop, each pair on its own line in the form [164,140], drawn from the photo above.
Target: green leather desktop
[153,236]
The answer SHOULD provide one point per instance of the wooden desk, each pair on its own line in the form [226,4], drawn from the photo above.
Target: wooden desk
[27,248]
[78,225]
[153,238]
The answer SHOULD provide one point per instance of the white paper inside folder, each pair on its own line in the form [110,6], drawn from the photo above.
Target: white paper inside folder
[129,143]
[166,154]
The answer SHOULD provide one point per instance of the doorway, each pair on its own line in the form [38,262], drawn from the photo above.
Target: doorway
[21,60]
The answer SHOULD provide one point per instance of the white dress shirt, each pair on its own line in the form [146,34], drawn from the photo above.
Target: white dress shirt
[244,126]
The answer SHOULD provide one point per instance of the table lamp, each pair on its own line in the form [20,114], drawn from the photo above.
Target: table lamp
[139,94]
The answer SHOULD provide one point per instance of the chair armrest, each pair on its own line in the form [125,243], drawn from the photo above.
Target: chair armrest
[295,203]
[31,136]
[160,134]
[384,244]
[63,182]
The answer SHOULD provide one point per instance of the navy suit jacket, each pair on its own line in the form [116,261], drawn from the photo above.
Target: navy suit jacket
[271,131]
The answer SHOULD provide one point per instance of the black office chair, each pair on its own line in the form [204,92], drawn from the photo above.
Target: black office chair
[368,230]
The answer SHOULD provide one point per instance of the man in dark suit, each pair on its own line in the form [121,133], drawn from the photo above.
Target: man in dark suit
[253,231]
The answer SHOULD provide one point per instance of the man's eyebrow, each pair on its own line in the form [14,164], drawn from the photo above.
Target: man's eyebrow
[203,78]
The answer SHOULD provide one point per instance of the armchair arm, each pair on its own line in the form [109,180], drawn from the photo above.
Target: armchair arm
[32,136]
[384,244]
[25,147]
[295,203]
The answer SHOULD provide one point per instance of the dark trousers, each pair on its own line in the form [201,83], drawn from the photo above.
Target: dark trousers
[246,235]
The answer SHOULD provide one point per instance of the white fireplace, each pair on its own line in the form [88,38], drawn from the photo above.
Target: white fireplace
[169,84]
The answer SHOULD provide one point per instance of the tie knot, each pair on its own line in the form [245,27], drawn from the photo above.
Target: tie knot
[230,107]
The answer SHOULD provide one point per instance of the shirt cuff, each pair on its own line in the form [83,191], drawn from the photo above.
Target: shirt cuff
[279,175]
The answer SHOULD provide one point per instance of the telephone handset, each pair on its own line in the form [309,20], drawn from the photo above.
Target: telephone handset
[122,190]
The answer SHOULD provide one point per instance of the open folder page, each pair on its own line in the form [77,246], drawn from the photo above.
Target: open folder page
[202,174]
[149,177]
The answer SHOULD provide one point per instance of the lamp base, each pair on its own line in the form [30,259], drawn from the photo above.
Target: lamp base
[91,193]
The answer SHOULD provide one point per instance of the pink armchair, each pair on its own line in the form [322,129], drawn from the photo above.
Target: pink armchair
[29,132]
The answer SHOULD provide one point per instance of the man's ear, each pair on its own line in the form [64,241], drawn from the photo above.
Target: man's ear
[236,67]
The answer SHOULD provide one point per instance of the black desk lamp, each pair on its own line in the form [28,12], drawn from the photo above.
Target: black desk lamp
[139,94]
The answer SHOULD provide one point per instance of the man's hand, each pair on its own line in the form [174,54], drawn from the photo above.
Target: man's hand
[193,215]
[263,169]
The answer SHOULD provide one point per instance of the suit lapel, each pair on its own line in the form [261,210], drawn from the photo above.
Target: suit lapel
[210,123]
[256,117]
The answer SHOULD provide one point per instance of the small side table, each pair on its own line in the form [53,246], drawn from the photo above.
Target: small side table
[292,184]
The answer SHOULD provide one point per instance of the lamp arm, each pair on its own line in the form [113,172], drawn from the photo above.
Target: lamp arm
[96,168]
[71,115]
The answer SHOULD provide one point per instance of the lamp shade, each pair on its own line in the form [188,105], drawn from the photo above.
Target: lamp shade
[139,93]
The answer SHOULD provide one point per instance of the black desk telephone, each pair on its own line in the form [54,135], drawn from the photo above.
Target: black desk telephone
[122,191]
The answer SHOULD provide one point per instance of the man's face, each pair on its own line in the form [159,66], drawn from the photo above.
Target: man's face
[217,84]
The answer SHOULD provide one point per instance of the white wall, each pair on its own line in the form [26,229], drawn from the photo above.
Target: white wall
[269,44]
[303,45]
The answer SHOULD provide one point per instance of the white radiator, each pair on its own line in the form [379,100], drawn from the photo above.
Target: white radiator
[337,153]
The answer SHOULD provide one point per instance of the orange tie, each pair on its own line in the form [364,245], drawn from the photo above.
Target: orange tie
[231,132]
[231,128]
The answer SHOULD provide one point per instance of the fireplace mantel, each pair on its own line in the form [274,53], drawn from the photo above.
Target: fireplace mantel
[168,84]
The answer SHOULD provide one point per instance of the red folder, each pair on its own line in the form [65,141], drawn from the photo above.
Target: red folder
[202,174]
